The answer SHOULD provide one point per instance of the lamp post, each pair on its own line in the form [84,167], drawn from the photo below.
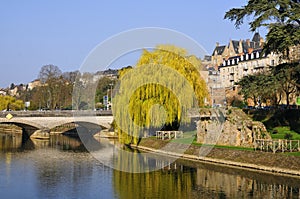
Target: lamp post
[111,92]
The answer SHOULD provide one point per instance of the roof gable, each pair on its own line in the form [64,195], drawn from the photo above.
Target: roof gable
[219,50]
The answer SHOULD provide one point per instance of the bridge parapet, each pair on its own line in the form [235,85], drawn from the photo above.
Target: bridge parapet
[56,113]
[40,125]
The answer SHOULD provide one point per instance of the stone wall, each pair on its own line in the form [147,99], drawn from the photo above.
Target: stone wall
[236,129]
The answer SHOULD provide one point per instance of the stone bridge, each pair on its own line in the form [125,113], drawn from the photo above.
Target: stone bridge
[40,127]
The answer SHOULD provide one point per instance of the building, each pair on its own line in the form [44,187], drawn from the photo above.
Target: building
[235,68]
[216,88]
[235,48]
[242,58]
[33,84]
[3,92]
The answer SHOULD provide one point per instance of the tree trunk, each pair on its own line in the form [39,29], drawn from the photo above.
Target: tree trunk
[287,98]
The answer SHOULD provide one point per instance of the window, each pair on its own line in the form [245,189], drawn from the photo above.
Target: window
[272,62]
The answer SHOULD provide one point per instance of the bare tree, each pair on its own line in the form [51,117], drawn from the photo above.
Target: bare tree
[49,72]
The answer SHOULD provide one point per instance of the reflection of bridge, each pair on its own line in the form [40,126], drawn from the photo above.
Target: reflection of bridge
[41,126]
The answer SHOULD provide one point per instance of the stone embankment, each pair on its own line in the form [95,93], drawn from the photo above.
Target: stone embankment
[236,129]
[254,160]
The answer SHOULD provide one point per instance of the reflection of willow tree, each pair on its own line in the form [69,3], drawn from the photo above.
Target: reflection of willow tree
[158,184]
[165,84]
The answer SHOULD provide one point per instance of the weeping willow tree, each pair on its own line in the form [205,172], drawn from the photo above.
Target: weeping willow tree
[10,103]
[158,92]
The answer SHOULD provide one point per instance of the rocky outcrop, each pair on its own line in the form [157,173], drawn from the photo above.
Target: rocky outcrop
[234,129]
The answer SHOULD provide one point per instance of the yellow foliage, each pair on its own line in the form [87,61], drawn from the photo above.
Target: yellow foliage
[165,78]
[9,102]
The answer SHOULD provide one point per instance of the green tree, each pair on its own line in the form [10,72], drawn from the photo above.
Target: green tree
[261,88]
[281,17]
[288,77]
[249,88]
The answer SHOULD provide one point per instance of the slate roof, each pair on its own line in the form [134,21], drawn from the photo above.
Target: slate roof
[219,50]
[235,44]
[256,37]
[245,47]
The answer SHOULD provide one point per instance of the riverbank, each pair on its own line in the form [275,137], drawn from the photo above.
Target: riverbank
[264,161]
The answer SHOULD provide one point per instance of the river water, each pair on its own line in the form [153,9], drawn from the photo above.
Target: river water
[62,168]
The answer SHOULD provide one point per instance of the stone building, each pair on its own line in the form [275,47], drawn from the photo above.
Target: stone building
[242,58]
[235,48]
[295,53]
[216,88]
[235,68]
[33,84]
[245,57]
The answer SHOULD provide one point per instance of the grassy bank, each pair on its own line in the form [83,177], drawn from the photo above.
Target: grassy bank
[290,161]
[284,132]
[277,118]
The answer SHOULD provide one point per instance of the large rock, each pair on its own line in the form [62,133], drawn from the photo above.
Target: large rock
[236,130]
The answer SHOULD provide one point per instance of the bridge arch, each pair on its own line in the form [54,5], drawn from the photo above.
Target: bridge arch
[40,126]
[85,124]
[27,129]
[88,126]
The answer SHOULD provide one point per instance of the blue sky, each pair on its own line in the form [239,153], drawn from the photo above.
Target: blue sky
[34,33]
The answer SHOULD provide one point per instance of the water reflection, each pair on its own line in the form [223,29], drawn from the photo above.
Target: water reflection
[194,180]
[16,142]
[55,168]
[10,142]
[175,182]
[62,168]
[233,183]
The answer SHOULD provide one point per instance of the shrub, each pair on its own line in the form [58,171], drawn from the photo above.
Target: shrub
[288,136]
[229,111]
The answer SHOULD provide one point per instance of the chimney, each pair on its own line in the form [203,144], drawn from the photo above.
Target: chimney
[261,42]
[248,42]
[250,50]
[217,44]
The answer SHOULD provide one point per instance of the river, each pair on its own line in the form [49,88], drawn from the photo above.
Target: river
[62,168]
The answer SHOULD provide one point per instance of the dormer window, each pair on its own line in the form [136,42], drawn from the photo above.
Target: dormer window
[247,56]
[242,58]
